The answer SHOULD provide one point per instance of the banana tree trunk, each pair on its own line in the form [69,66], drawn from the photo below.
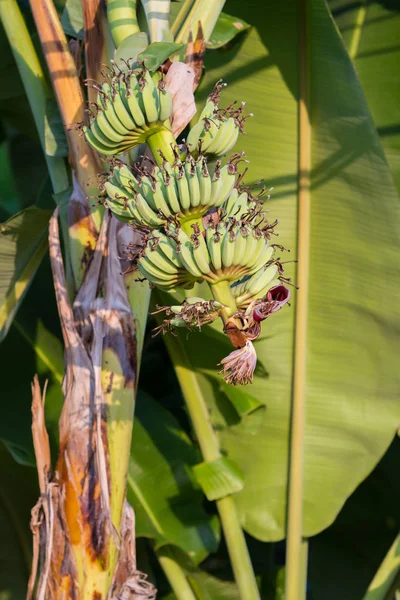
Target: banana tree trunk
[84,529]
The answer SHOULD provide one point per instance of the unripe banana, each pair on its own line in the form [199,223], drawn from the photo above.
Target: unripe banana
[258,258]
[204,179]
[213,240]
[186,254]
[201,255]
[150,263]
[183,188]
[172,196]
[228,247]
[150,98]
[122,113]
[223,136]
[227,179]
[164,98]
[194,136]
[230,138]
[133,94]
[256,286]
[251,244]
[148,215]
[169,251]
[240,247]
[159,200]
[129,112]
[193,183]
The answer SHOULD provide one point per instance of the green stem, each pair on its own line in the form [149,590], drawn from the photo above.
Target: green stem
[295,577]
[122,18]
[34,83]
[387,578]
[176,577]
[208,442]
[204,11]
[162,140]
[181,16]
[304,569]
[222,292]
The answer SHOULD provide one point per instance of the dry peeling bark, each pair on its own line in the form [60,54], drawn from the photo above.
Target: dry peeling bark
[84,533]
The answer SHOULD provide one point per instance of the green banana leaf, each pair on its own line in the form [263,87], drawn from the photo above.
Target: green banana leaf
[160,486]
[23,243]
[386,580]
[9,200]
[352,377]
[371,31]
[14,105]
[32,346]
[357,552]
[18,494]
[204,585]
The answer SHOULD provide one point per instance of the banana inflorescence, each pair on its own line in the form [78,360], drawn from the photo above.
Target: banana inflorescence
[132,105]
[151,195]
[197,221]
[217,129]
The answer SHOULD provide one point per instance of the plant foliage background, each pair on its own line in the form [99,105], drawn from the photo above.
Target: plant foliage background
[351,502]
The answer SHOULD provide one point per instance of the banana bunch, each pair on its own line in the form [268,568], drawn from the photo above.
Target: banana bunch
[131,106]
[184,190]
[256,286]
[192,313]
[217,130]
[228,251]
[162,264]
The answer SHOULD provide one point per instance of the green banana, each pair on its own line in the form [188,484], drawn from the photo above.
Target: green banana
[213,240]
[129,112]
[150,98]
[132,97]
[228,247]
[204,179]
[169,251]
[183,188]
[201,255]
[148,215]
[193,183]
[122,112]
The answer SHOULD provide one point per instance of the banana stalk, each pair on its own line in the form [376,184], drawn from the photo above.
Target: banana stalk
[82,523]
[85,526]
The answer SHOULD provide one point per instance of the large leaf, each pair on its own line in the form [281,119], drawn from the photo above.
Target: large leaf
[371,31]
[352,376]
[225,30]
[23,243]
[18,494]
[14,105]
[32,346]
[204,585]
[344,558]
[168,507]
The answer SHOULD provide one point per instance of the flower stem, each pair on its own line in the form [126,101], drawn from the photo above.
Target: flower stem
[206,12]
[209,446]
[176,577]
[162,140]
[222,292]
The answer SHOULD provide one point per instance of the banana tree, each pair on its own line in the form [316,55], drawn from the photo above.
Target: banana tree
[162,204]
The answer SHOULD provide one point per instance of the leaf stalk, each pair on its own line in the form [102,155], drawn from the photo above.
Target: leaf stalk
[209,446]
